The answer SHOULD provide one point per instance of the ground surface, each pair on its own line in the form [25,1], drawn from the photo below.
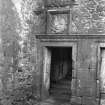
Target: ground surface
[52,101]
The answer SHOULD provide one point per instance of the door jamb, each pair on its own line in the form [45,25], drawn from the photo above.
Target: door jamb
[100,46]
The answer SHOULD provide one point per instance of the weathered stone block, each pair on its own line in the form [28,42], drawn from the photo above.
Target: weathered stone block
[73,87]
[74,73]
[97,101]
[89,101]
[83,73]
[102,96]
[86,91]
[92,74]
[98,72]
[98,89]
[86,87]
[87,73]
[1,87]
[86,83]
[73,83]
[79,92]
[76,100]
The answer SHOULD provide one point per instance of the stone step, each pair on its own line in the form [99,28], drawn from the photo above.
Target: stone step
[60,91]
[62,82]
[61,97]
[61,86]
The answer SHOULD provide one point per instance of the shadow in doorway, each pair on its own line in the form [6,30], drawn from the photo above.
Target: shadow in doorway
[61,73]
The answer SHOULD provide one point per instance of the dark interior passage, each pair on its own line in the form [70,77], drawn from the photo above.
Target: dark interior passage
[61,64]
[61,71]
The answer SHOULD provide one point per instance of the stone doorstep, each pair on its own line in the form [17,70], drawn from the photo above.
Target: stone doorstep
[51,101]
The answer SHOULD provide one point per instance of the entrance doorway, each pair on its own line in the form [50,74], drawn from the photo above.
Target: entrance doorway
[59,64]
[61,73]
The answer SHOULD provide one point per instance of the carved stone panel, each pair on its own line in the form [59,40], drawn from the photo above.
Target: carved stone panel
[57,23]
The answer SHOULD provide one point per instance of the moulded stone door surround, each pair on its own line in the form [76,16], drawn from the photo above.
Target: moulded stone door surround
[47,61]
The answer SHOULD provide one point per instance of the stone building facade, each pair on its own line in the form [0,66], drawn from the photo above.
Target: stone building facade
[53,26]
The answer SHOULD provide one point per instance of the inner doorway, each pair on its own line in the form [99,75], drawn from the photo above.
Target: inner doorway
[60,72]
